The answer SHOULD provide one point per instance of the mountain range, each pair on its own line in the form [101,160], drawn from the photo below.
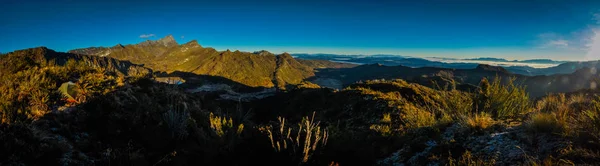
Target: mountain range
[262,69]
[544,61]
[258,69]
[537,86]
[159,102]
[530,67]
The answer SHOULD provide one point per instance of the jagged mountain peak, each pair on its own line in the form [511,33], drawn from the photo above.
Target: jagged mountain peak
[255,70]
[193,43]
[167,41]
[263,53]
[118,46]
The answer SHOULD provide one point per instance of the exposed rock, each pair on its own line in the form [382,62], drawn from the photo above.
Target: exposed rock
[263,53]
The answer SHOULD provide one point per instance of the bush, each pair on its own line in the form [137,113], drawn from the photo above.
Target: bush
[223,125]
[589,122]
[301,142]
[547,123]
[414,117]
[501,101]
[456,103]
[385,125]
[176,120]
[467,159]
[478,122]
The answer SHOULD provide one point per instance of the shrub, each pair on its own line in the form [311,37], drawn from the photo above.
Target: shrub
[387,118]
[384,127]
[589,122]
[546,123]
[456,103]
[502,101]
[479,122]
[176,120]
[467,159]
[415,117]
[220,125]
[301,142]
[564,107]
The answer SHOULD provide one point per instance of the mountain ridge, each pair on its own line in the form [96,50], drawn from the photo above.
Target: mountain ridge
[543,66]
[259,69]
[46,55]
[267,70]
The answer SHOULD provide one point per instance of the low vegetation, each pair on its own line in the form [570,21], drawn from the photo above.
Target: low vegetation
[131,120]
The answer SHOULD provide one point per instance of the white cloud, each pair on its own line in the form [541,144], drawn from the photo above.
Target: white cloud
[552,40]
[593,40]
[182,37]
[143,36]
[557,43]
[593,47]
[584,43]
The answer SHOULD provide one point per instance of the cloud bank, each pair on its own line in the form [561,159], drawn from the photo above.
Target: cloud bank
[593,44]
[593,47]
[557,43]
[143,36]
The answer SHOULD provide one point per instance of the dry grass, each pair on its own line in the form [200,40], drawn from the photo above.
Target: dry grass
[176,120]
[547,123]
[467,159]
[387,118]
[305,141]
[502,100]
[415,117]
[220,125]
[479,122]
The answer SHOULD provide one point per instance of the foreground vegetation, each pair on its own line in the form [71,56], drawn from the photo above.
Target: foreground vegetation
[132,120]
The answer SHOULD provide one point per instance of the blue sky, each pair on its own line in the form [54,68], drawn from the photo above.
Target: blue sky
[510,29]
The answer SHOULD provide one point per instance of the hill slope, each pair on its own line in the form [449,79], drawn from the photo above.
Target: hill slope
[41,55]
[259,69]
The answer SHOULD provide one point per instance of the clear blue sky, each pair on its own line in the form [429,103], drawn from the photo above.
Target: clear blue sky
[513,29]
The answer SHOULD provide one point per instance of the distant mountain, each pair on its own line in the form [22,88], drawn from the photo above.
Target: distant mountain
[265,69]
[564,68]
[522,67]
[584,78]
[488,59]
[542,61]
[319,64]
[258,69]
